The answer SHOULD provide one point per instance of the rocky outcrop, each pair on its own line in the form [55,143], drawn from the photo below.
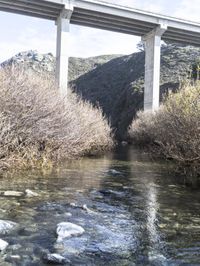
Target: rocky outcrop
[34,61]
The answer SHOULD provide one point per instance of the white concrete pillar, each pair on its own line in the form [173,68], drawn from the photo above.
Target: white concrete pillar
[62,50]
[152,43]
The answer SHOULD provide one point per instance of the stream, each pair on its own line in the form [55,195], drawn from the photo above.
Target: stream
[133,210]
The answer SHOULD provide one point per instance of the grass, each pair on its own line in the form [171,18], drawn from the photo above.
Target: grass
[174,130]
[38,128]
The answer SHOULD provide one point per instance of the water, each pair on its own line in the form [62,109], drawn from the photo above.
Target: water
[139,214]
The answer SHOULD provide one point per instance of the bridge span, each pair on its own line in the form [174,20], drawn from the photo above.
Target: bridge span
[150,26]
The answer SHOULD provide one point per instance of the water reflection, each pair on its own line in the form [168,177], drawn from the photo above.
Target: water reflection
[155,250]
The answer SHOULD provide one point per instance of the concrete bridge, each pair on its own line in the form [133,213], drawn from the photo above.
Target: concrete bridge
[151,27]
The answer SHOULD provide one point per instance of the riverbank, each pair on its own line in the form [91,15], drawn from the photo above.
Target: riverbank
[173,132]
[39,128]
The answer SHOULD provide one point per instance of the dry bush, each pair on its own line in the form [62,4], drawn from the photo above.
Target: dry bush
[38,127]
[174,130]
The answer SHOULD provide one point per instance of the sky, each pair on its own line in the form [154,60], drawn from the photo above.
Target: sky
[20,33]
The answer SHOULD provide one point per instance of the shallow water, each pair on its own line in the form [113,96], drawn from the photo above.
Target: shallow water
[139,214]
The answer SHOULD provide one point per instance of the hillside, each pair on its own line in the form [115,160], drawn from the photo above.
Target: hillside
[35,61]
[117,86]
[116,82]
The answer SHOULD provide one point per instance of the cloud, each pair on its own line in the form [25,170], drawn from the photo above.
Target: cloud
[188,10]
[25,33]
[87,42]
[28,39]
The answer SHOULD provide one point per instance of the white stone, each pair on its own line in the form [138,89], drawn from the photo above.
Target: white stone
[68,214]
[67,230]
[3,245]
[30,193]
[6,226]
[13,193]
[55,259]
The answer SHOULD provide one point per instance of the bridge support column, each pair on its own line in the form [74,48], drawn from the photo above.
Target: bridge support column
[152,43]
[62,50]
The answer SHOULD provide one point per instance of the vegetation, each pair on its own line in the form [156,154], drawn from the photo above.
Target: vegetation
[114,82]
[39,128]
[117,86]
[174,130]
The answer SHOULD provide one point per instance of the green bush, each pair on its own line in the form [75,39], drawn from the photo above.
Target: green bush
[39,128]
[174,130]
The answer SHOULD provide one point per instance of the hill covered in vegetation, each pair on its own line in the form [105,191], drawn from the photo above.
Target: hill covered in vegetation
[114,82]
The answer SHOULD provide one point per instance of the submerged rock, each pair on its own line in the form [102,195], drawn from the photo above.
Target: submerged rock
[13,259]
[66,230]
[114,172]
[3,245]
[68,214]
[55,259]
[6,226]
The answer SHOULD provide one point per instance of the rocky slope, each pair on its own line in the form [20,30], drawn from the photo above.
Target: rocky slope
[32,60]
[116,82]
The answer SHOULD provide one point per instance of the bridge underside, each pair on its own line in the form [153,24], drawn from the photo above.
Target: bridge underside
[150,26]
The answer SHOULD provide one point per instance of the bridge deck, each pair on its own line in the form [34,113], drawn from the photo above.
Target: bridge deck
[110,17]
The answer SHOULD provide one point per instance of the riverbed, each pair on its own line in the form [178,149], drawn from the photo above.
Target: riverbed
[134,211]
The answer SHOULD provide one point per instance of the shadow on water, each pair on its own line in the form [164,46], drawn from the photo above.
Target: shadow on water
[132,210]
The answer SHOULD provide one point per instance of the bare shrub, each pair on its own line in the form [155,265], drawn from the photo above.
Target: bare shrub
[38,127]
[174,130]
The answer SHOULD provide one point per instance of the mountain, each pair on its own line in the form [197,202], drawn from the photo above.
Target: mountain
[114,82]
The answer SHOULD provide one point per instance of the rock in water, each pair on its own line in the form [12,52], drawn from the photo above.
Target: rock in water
[6,226]
[66,230]
[3,245]
[30,193]
[13,193]
[55,259]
